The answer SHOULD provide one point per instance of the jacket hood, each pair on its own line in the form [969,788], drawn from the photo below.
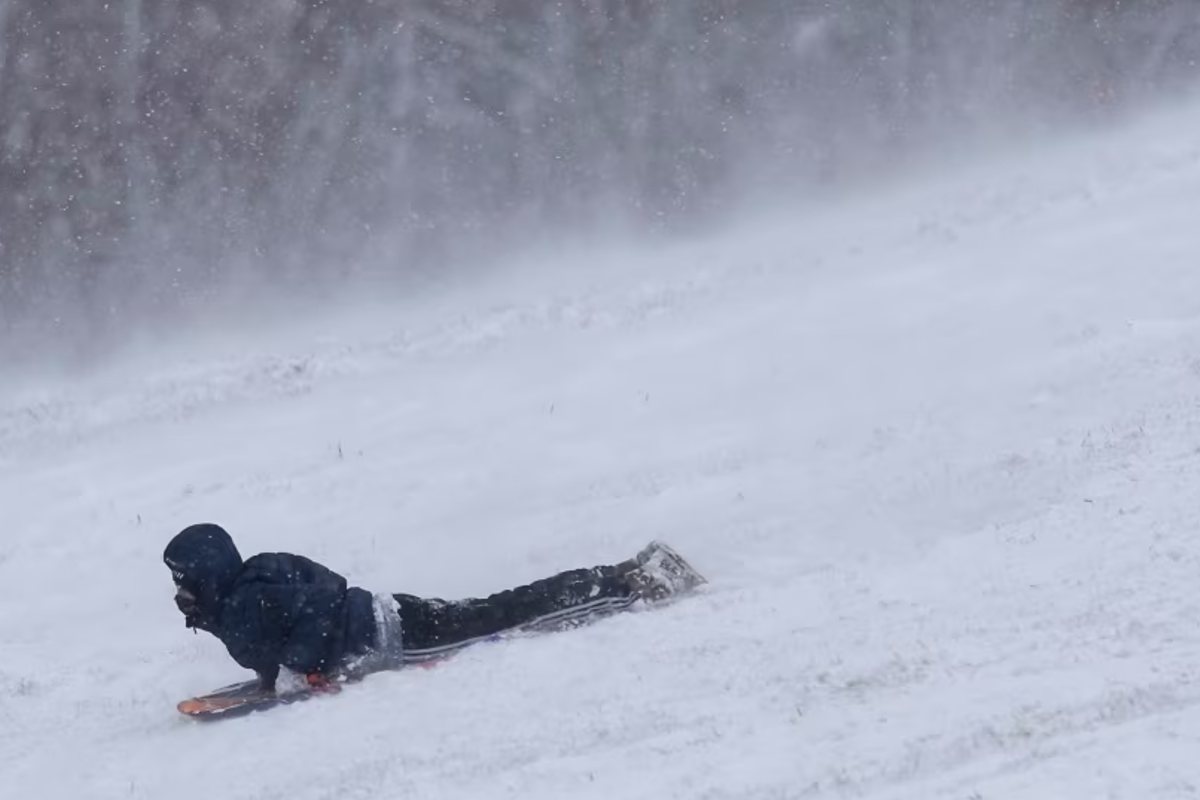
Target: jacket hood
[204,560]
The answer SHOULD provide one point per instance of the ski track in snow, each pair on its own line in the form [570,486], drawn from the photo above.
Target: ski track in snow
[936,450]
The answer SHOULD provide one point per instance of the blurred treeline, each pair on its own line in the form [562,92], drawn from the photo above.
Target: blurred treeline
[149,148]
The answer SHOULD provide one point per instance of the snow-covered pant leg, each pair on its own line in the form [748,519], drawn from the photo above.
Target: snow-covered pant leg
[432,627]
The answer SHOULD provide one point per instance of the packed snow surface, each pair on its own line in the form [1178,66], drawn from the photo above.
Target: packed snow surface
[937,449]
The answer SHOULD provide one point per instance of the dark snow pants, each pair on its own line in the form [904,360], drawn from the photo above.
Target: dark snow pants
[432,628]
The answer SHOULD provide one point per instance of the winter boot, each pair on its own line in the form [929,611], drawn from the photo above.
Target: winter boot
[658,573]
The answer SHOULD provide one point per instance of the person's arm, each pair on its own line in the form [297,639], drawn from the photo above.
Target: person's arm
[267,677]
[287,609]
[302,619]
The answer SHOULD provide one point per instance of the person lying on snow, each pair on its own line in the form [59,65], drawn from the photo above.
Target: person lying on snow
[281,610]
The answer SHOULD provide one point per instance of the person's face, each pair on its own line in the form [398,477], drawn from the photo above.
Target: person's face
[185,597]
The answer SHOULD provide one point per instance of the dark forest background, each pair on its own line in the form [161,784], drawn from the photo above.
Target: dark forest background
[151,151]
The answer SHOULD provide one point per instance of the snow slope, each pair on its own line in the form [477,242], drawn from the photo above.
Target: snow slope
[937,450]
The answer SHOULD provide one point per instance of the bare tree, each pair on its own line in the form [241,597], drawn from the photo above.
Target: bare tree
[147,150]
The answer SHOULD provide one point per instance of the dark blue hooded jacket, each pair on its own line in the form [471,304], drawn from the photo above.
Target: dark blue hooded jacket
[272,610]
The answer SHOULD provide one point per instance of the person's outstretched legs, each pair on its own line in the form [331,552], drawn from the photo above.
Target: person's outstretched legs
[432,627]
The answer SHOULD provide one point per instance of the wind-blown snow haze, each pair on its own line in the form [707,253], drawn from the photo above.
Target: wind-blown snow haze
[167,160]
[886,316]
